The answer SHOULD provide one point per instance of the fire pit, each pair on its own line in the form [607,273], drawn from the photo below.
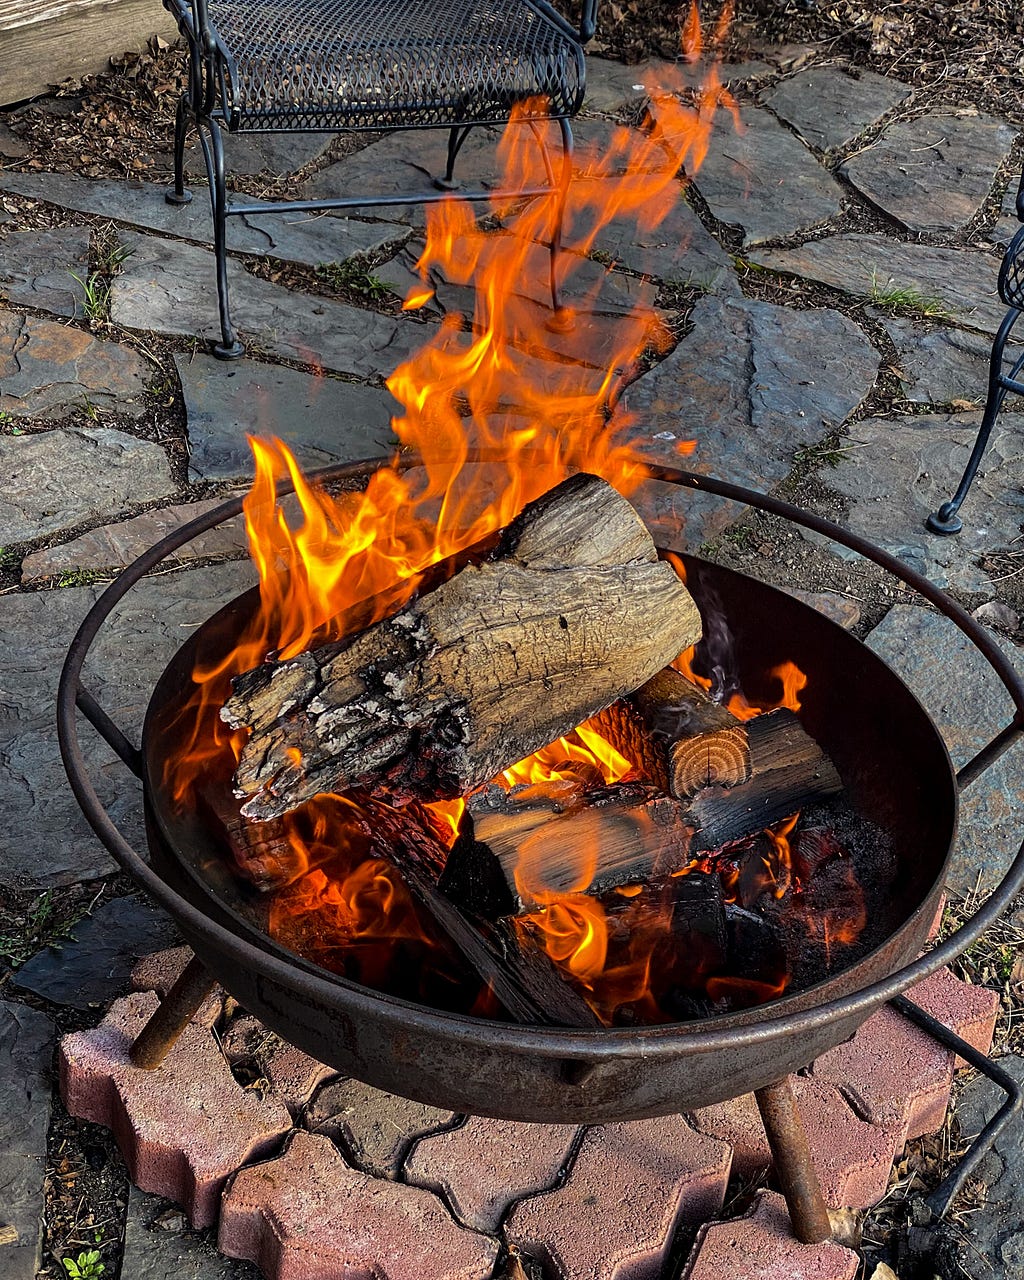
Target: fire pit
[890,756]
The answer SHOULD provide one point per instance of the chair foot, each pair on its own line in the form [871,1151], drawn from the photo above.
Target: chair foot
[561,320]
[945,521]
[447,184]
[172,197]
[228,350]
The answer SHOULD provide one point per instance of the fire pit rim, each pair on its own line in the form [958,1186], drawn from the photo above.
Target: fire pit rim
[543,1042]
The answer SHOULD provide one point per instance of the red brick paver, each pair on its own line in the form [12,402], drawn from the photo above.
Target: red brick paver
[629,1187]
[160,970]
[968,1010]
[892,1074]
[308,1215]
[183,1128]
[485,1165]
[760,1246]
[291,1075]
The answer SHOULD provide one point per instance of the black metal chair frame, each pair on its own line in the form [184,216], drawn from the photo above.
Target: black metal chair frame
[1011,290]
[211,102]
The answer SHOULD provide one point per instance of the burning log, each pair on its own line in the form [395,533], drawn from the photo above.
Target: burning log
[572,610]
[677,736]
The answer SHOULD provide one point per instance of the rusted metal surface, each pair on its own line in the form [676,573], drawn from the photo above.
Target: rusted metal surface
[157,1037]
[791,1157]
[896,769]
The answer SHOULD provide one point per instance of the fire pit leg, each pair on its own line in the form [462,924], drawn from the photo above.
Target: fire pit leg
[157,1037]
[792,1157]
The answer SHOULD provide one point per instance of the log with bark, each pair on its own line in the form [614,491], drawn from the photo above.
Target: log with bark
[572,610]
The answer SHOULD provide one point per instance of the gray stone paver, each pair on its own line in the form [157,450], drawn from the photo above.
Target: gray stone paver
[829,107]
[52,370]
[56,479]
[995,1232]
[169,287]
[322,420]
[116,545]
[932,174]
[962,281]
[764,180]
[751,384]
[969,706]
[93,966]
[938,366]
[251,153]
[36,268]
[26,1047]
[900,469]
[309,239]
[160,1245]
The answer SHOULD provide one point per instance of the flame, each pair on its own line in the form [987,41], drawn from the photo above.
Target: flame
[788,674]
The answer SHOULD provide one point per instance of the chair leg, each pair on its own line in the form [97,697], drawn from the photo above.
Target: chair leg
[945,520]
[229,348]
[456,137]
[179,195]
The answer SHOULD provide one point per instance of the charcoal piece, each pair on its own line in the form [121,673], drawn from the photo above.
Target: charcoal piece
[699,919]
[473,878]
[812,849]
[755,951]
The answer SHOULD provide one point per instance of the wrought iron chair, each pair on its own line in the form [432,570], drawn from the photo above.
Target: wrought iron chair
[335,65]
[1000,380]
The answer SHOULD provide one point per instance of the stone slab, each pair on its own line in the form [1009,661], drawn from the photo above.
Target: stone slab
[829,106]
[375,1129]
[52,370]
[169,287]
[281,1070]
[57,479]
[969,707]
[932,174]
[181,1129]
[613,87]
[761,1245]
[26,1048]
[903,468]
[938,366]
[630,1186]
[484,1166]
[251,153]
[1007,223]
[961,281]
[45,840]
[764,180]
[750,383]
[291,237]
[116,545]
[95,966]
[995,1233]
[309,1216]
[322,420]
[36,268]
[159,1245]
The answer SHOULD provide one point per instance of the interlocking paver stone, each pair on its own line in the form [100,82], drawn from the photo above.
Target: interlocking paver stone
[289,237]
[116,545]
[764,180]
[375,1128]
[937,366]
[50,370]
[906,467]
[829,107]
[158,1245]
[95,964]
[484,1165]
[891,1073]
[26,1047]
[962,281]
[309,1216]
[169,287]
[160,970]
[129,655]
[291,1075]
[36,268]
[969,1010]
[994,1233]
[761,1245]
[969,708]
[57,479]
[183,1128]
[629,1187]
[932,174]
[322,420]
[751,383]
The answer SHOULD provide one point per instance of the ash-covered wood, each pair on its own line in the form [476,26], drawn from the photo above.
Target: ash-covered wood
[571,611]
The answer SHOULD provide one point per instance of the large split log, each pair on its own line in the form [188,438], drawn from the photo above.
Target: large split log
[572,610]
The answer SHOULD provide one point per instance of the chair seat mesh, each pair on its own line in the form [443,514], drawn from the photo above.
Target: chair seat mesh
[1011,273]
[367,64]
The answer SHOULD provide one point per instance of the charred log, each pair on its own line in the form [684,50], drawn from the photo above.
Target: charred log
[572,610]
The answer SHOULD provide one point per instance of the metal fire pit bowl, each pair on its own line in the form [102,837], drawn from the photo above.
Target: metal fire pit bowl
[892,760]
